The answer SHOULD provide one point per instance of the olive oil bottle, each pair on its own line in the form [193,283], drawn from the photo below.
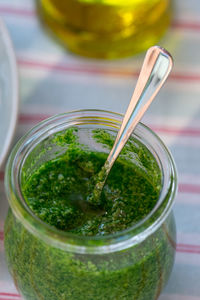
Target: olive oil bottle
[106,28]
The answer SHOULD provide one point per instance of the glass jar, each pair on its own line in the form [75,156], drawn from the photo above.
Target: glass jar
[106,28]
[47,263]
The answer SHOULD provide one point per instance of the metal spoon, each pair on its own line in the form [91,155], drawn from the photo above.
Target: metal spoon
[155,70]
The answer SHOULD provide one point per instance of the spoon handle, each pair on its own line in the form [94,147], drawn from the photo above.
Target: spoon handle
[155,69]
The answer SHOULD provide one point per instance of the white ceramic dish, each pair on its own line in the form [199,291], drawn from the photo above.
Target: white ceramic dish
[9,99]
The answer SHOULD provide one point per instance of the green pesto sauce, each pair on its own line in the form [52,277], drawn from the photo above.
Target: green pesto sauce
[58,190]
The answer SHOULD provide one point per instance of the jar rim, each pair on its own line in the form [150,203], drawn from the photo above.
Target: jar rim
[95,244]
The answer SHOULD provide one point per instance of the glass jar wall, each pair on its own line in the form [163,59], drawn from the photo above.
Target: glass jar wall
[47,263]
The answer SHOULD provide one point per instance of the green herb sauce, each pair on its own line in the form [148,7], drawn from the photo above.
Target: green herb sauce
[57,193]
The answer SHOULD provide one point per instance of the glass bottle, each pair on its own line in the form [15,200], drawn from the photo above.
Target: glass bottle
[106,28]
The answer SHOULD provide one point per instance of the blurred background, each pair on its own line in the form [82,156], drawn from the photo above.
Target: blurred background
[53,80]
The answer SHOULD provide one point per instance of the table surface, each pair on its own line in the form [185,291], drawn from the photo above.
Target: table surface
[54,81]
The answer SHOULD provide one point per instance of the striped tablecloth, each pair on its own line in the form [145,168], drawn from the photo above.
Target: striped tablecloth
[53,81]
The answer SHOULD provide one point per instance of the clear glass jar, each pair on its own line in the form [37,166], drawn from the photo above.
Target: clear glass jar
[47,263]
[106,28]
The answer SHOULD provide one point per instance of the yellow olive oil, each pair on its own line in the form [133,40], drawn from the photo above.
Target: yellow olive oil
[106,28]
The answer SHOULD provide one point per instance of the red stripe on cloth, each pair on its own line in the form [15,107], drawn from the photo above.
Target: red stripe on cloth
[24,12]
[10,295]
[6,297]
[75,69]
[10,10]
[177,131]
[3,298]
[194,26]
[178,76]
[186,248]
[189,188]
[1,176]
[1,235]
[33,118]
